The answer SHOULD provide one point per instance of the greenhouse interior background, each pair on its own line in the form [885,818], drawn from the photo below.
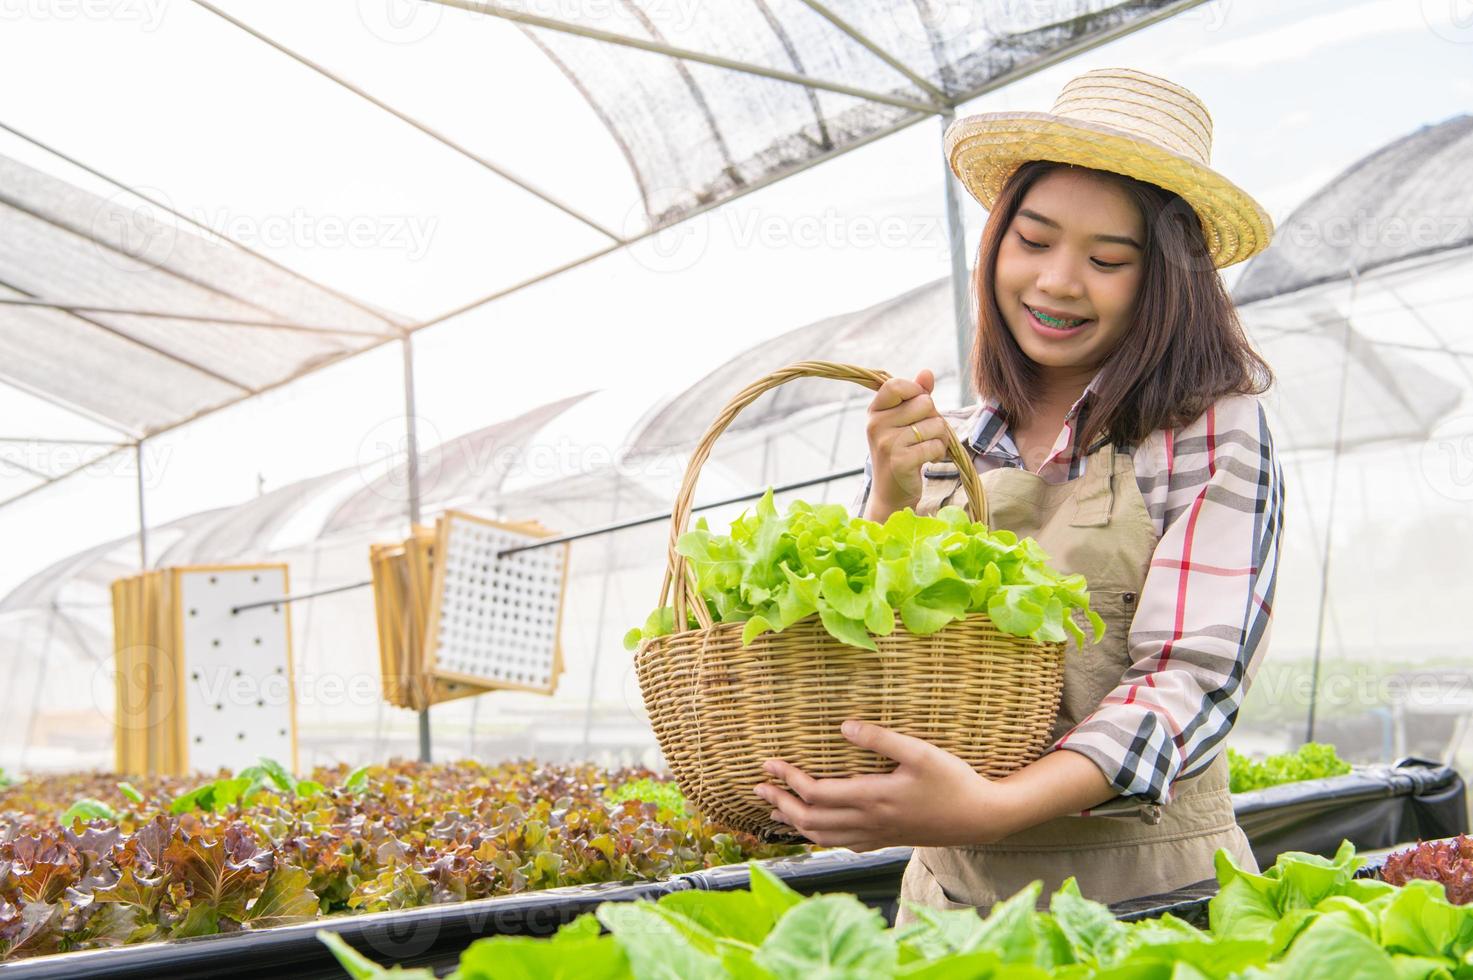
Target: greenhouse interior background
[215,291]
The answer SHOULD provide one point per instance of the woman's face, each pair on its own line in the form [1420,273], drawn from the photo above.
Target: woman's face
[1073,251]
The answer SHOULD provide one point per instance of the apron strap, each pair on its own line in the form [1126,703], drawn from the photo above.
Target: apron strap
[1096,498]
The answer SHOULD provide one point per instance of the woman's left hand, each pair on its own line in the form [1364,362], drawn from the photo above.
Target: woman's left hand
[932,798]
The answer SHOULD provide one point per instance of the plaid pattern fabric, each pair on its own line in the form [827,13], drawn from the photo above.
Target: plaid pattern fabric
[1214,491]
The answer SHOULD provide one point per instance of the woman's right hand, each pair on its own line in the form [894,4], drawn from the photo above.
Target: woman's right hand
[896,454]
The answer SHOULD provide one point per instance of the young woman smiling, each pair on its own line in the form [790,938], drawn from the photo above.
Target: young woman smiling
[1119,425]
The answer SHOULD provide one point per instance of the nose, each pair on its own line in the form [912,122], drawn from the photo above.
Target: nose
[1059,277]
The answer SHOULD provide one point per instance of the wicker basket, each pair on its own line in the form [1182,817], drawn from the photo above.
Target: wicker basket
[719,710]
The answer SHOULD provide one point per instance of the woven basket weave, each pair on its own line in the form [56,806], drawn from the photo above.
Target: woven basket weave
[719,709]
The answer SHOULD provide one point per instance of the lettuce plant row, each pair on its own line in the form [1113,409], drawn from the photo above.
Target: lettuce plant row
[1306,918]
[1313,760]
[169,858]
[857,576]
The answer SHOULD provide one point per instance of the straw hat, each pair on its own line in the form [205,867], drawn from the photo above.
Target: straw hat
[1127,122]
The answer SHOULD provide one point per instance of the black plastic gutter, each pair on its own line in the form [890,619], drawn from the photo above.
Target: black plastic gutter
[1374,808]
[435,935]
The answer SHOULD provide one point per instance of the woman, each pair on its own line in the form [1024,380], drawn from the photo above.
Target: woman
[1118,425]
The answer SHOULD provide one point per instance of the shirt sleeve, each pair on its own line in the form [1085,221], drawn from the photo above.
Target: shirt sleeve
[1202,623]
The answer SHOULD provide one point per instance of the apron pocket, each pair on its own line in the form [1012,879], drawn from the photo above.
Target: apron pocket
[922,886]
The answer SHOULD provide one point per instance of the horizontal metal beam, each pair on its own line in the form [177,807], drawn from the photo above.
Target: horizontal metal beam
[665,516]
[844,26]
[164,206]
[755,185]
[51,398]
[23,468]
[237,610]
[63,442]
[127,338]
[1038,64]
[1012,76]
[193,317]
[686,54]
[923,110]
[162,269]
[404,117]
[59,477]
[750,188]
[313,368]
[591,532]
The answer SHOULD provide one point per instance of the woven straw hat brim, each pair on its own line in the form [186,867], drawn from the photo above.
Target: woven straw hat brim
[984,150]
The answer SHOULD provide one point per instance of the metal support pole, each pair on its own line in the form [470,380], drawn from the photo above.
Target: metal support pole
[603,606]
[411,451]
[1319,636]
[142,520]
[961,301]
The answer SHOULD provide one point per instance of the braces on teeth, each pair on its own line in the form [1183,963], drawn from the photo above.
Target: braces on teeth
[1053,321]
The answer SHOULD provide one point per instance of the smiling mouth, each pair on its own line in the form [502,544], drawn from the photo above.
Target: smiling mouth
[1054,322]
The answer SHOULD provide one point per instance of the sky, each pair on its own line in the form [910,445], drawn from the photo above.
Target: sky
[166,96]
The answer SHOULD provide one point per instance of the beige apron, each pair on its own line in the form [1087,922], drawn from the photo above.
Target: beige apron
[1096,525]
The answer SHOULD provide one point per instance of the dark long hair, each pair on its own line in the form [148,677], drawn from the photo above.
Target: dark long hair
[1185,349]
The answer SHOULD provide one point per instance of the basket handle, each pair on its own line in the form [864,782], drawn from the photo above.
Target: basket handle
[678,570]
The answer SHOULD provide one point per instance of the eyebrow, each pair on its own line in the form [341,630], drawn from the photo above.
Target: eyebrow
[1117,239]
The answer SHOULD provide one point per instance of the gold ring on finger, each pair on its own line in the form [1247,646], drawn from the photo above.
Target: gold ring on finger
[919,437]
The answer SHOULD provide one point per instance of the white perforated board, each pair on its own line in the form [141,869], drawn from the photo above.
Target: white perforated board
[495,621]
[236,668]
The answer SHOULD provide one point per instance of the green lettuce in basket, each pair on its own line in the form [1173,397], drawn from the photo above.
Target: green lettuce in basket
[774,570]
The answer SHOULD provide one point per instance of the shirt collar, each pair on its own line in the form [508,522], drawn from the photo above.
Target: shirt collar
[1089,391]
[989,424]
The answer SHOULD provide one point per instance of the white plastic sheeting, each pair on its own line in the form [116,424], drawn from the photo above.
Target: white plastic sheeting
[1396,494]
[137,213]
[1378,363]
[1408,199]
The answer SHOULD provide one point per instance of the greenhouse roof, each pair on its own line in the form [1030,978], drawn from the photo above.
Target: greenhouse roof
[467,468]
[138,324]
[130,310]
[1409,198]
[900,332]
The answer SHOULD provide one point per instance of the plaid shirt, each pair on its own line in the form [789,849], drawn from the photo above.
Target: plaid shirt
[1215,493]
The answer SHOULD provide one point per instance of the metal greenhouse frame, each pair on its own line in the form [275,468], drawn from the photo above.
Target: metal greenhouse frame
[356,327]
